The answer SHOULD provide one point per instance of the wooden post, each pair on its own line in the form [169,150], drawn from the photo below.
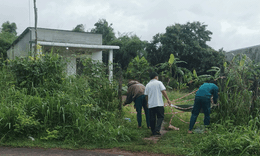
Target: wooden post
[120,90]
[110,65]
[35,15]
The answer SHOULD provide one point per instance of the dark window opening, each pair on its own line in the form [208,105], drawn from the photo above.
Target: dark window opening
[79,66]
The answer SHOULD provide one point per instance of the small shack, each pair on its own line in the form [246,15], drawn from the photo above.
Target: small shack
[72,45]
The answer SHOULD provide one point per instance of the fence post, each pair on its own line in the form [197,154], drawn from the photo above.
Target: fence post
[120,89]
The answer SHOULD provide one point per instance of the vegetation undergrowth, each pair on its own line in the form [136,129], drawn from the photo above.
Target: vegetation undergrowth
[74,110]
[39,102]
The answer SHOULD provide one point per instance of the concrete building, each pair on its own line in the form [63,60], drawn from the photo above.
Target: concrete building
[251,52]
[72,45]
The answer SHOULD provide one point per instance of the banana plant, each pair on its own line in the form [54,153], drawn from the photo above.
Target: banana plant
[168,67]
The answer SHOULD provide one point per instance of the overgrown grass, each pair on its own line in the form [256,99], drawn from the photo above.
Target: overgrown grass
[224,138]
[220,139]
[82,112]
[79,110]
[173,142]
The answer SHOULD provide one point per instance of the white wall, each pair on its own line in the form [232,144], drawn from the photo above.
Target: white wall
[63,36]
[21,48]
[97,56]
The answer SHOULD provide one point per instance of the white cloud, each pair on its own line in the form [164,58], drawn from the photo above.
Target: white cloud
[225,26]
[234,23]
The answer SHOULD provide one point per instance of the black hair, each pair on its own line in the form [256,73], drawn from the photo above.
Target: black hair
[152,75]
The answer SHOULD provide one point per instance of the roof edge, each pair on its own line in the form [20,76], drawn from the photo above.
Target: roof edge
[32,28]
[244,48]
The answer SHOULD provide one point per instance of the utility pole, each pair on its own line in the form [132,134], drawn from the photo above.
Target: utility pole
[35,26]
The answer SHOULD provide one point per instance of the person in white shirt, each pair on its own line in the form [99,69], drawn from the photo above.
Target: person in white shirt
[153,93]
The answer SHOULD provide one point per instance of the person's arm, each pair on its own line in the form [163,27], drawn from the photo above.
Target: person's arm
[128,97]
[215,95]
[166,96]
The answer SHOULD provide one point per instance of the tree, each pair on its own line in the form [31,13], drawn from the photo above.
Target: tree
[188,43]
[138,69]
[108,35]
[170,71]
[7,36]
[79,28]
[130,47]
[154,51]
[9,27]
[102,27]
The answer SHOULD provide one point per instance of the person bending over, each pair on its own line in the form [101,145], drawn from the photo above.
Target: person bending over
[135,92]
[202,100]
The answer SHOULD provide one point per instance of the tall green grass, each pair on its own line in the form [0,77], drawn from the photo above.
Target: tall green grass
[228,139]
[235,123]
[77,109]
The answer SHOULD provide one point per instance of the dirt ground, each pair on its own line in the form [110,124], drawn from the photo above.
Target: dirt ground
[8,151]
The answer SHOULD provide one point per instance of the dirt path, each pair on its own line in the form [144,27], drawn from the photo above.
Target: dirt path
[156,138]
[8,151]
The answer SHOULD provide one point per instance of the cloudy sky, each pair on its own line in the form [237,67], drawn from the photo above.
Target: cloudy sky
[234,23]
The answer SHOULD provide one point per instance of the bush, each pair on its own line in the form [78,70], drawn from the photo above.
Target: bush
[75,109]
[227,139]
[236,96]
[46,71]
[138,69]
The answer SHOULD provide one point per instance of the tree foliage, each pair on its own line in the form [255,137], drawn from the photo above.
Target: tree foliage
[79,28]
[154,51]
[9,27]
[130,47]
[188,42]
[171,72]
[102,27]
[138,69]
[7,36]
[108,35]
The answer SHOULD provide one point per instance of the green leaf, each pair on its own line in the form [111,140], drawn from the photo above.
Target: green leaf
[171,60]
[225,64]
[241,62]
[195,73]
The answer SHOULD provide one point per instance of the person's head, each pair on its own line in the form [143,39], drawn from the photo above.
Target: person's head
[153,75]
[131,82]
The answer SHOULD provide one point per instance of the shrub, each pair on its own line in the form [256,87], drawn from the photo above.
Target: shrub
[138,69]
[44,70]
[75,109]
[227,139]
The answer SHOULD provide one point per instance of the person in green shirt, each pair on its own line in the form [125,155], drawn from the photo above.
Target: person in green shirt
[203,100]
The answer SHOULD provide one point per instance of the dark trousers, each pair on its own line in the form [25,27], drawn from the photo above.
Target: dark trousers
[139,103]
[204,103]
[156,118]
